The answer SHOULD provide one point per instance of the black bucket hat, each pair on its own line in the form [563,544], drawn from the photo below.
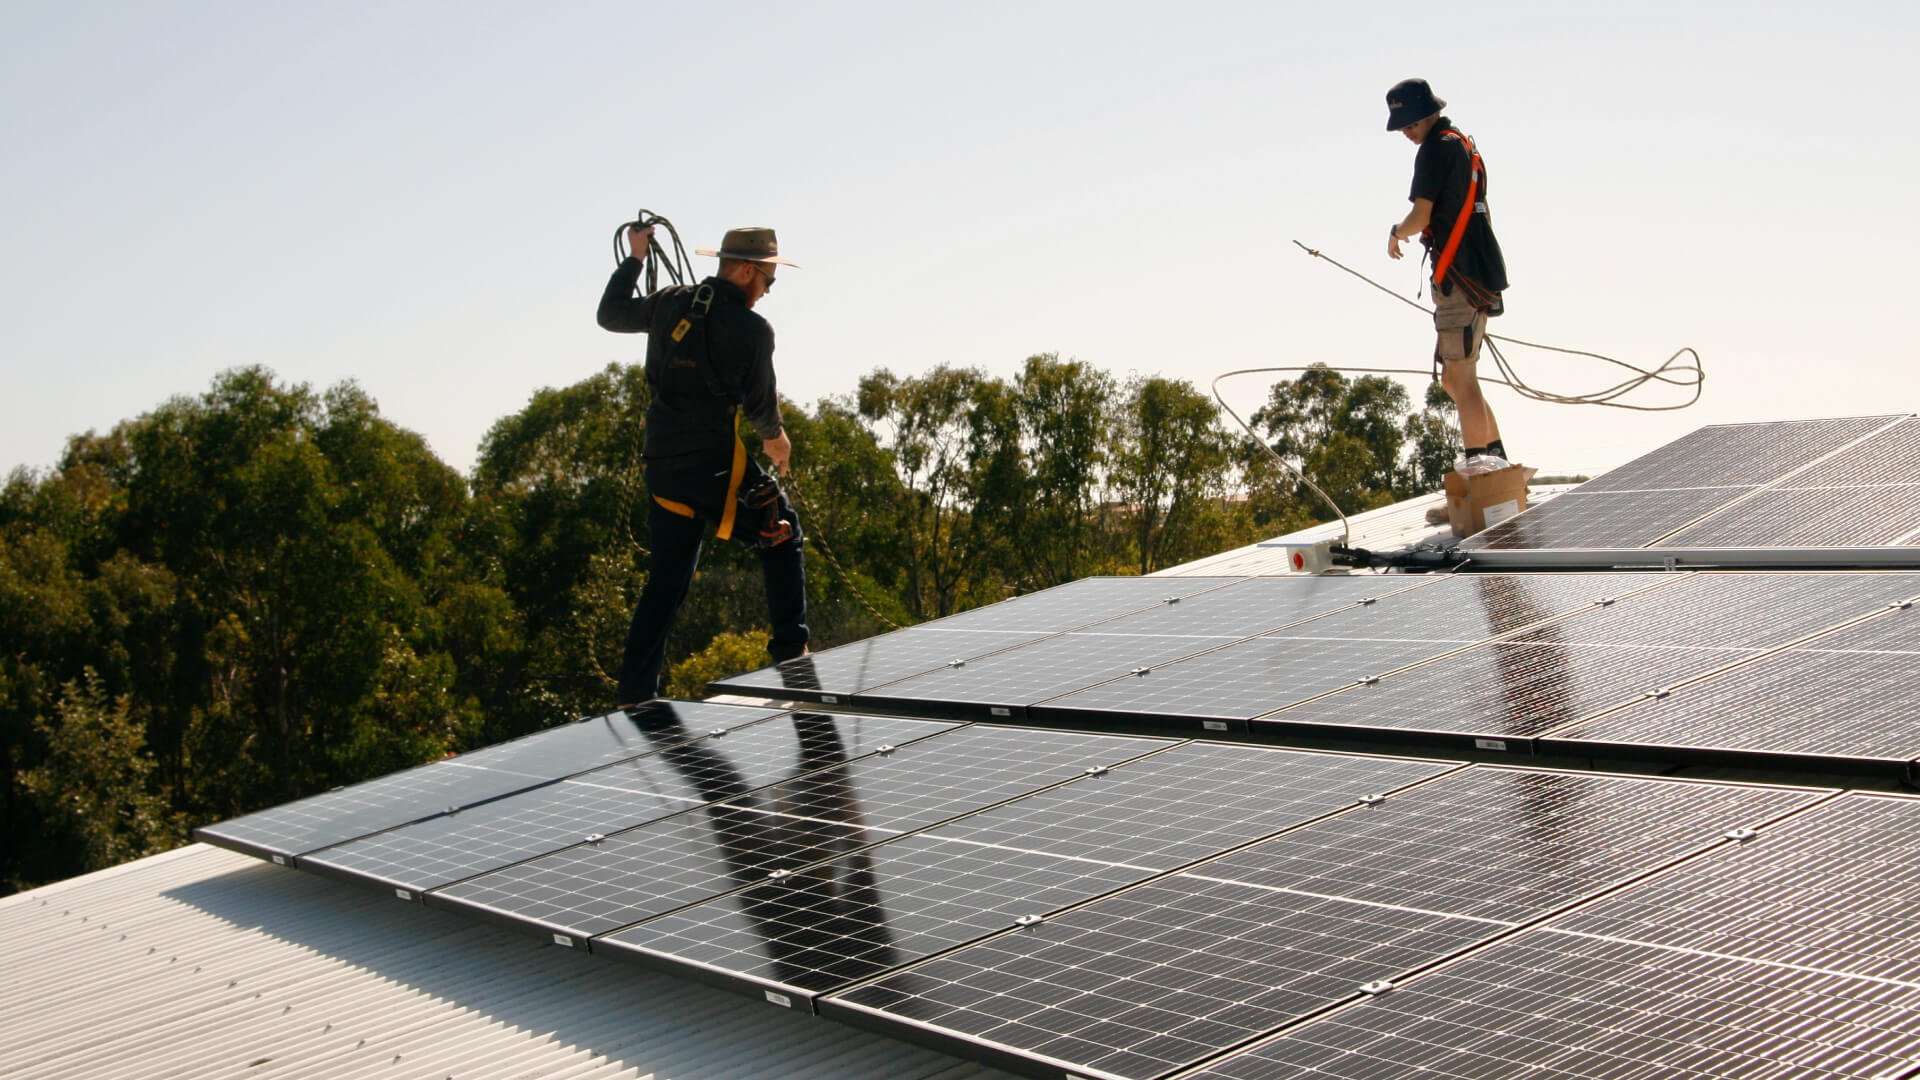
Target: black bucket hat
[1409,102]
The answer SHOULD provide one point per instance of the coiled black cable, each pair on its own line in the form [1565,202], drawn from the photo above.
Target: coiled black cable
[678,266]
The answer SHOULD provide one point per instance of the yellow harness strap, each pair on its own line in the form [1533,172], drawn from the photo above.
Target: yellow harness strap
[735,475]
[725,531]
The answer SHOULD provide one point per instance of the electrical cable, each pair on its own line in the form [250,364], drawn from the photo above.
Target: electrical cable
[1690,375]
[1672,372]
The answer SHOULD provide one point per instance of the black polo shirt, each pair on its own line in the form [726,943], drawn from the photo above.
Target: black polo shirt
[696,383]
[1441,172]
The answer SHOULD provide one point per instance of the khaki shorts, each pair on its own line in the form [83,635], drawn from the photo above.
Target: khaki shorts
[1458,327]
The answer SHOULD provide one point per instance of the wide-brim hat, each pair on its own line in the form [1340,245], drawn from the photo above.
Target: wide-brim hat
[1409,102]
[753,244]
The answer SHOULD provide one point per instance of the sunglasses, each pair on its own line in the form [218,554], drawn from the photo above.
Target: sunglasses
[765,274]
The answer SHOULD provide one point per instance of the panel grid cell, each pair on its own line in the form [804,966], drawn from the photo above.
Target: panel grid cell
[1553,1005]
[1078,603]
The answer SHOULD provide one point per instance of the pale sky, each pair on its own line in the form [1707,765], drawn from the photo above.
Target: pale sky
[420,197]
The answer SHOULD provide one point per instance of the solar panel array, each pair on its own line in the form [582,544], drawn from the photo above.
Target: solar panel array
[1842,483]
[1095,904]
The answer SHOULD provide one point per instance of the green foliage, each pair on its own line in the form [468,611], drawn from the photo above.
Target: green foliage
[91,794]
[726,654]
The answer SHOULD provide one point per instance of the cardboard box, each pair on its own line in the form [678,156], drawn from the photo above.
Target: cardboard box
[1485,499]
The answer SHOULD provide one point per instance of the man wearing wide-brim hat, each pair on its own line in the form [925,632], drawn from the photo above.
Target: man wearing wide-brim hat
[1450,216]
[709,359]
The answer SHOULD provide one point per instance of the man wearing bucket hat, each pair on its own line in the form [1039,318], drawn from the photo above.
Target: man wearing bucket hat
[1450,217]
[709,358]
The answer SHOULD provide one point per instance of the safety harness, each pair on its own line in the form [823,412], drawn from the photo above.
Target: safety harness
[696,320]
[1468,207]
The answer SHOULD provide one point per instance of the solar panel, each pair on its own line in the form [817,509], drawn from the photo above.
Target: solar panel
[832,676]
[1556,1005]
[1602,519]
[824,928]
[1834,889]
[1005,684]
[1736,455]
[1224,688]
[593,888]
[1791,517]
[1078,603]
[1174,971]
[295,828]
[1540,680]
[1817,483]
[683,774]
[1848,696]
[1790,954]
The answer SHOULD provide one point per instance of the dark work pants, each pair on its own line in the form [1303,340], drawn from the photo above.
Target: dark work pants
[676,541]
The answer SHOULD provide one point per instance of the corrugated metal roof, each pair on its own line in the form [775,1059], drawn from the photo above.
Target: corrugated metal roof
[205,963]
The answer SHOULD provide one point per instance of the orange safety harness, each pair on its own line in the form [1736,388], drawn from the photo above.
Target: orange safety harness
[1445,260]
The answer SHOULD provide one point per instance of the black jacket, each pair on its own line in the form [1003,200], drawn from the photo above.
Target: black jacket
[725,360]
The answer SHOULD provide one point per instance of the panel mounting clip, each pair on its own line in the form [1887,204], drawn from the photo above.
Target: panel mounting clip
[1372,800]
[1098,770]
[884,748]
[956,663]
[1376,987]
[1139,671]
[1741,836]
[1027,920]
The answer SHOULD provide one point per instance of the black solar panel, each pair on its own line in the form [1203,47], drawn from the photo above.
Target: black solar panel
[1850,695]
[1736,455]
[1541,680]
[1835,889]
[1603,519]
[832,676]
[1556,1005]
[1792,517]
[1506,845]
[593,888]
[1815,483]
[1169,973]
[1078,603]
[683,774]
[824,928]
[1224,688]
[1003,685]
[436,788]
[1258,605]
